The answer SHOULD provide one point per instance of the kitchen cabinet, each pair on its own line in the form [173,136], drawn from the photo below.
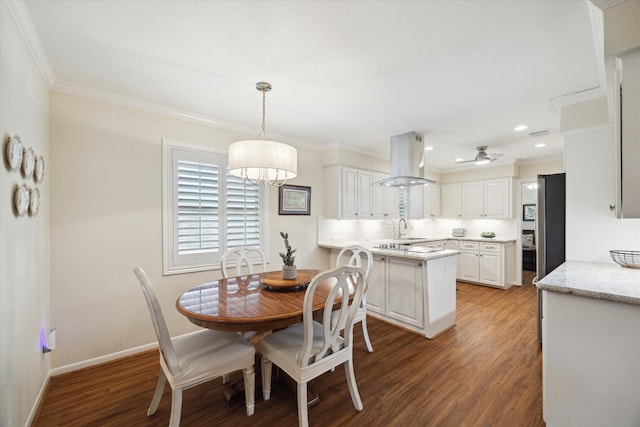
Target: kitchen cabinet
[627,128]
[487,199]
[354,196]
[452,201]
[423,201]
[376,290]
[486,263]
[415,294]
[404,291]
[432,200]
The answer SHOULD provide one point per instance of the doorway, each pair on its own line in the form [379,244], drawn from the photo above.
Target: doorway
[529,198]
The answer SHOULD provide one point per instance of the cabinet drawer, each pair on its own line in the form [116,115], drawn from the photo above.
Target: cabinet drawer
[469,245]
[490,247]
[434,245]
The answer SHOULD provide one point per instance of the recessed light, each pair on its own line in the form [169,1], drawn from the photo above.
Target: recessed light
[520,128]
[428,148]
[540,145]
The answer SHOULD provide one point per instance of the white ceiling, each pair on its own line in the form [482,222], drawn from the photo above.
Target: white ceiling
[347,73]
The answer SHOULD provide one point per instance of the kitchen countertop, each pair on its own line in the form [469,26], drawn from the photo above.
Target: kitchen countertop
[399,253]
[606,281]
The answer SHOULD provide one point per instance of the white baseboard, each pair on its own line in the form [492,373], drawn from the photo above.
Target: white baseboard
[39,398]
[102,359]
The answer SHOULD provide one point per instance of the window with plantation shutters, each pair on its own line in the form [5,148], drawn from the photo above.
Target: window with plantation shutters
[205,210]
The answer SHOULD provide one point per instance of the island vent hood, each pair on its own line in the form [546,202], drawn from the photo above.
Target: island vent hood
[407,161]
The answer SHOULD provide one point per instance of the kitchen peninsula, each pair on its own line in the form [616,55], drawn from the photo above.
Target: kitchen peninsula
[410,286]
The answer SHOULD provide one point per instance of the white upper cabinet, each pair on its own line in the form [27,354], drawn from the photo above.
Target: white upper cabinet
[451,201]
[490,198]
[432,201]
[384,198]
[350,194]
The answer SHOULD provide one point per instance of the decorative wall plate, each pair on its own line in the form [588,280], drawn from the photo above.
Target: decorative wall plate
[21,199]
[39,172]
[28,162]
[14,152]
[34,202]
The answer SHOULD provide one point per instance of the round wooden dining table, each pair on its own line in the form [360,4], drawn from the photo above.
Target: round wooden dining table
[257,302]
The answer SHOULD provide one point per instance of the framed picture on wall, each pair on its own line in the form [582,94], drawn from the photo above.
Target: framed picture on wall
[294,200]
[528,212]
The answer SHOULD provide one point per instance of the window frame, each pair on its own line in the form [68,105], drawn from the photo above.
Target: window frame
[173,151]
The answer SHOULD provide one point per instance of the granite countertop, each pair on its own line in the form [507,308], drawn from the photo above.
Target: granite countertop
[606,281]
[419,254]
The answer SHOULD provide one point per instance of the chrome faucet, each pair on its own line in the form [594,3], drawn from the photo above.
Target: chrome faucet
[400,229]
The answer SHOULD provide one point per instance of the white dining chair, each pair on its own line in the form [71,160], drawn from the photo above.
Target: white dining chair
[193,359]
[242,257]
[309,349]
[357,255]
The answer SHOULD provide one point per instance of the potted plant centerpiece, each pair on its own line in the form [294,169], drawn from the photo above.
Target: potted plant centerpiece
[289,268]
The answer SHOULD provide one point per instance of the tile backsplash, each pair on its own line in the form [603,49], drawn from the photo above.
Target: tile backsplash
[343,231]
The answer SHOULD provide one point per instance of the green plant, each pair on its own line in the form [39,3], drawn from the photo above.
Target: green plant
[287,257]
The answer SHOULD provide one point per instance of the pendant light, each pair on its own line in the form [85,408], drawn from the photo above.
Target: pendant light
[262,160]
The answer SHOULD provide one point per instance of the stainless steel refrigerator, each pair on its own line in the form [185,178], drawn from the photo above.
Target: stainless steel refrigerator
[550,230]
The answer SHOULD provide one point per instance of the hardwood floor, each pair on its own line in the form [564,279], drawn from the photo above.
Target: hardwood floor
[486,371]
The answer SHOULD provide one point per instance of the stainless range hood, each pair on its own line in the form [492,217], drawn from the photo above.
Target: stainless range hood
[407,161]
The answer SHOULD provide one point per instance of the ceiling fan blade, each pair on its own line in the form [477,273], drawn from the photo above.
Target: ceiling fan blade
[496,155]
[465,161]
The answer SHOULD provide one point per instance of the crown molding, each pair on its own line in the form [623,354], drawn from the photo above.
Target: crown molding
[136,104]
[18,11]
[577,97]
[606,4]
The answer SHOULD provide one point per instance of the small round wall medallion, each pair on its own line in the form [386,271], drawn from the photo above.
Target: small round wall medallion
[21,199]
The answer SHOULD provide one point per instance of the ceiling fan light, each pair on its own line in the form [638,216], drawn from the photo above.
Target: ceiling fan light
[482,161]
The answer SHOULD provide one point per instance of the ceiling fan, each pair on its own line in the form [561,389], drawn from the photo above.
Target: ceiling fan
[482,158]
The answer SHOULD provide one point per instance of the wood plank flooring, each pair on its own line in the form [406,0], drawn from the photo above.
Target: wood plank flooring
[486,371]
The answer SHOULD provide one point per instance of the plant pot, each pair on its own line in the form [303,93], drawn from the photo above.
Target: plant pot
[289,272]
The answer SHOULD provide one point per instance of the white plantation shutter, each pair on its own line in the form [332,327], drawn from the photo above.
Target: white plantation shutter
[243,213]
[198,208]
[205,211]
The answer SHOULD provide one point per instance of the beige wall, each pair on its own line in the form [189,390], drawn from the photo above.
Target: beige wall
[24,242]
[622,27]
[107,219]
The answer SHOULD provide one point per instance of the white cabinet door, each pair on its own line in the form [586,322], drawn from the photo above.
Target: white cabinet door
[432,201]
[376,285]
[383,197]
[365,192]
[491,268]
[349,195]
[469,266]
[405,291]
[451,201]
[473,199]
[497,198]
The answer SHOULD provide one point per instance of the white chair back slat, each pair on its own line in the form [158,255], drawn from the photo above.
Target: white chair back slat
[344,278]
[234,260]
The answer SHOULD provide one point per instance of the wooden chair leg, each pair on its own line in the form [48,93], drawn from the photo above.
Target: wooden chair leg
[266,378]
[351,382]
[176,407]
[365,333]
[157,395]
[250,389]
[303,416]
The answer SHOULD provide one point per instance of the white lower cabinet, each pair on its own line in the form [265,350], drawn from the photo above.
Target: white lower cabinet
[486,263]
[375,286]
[414,294]
[404,291]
